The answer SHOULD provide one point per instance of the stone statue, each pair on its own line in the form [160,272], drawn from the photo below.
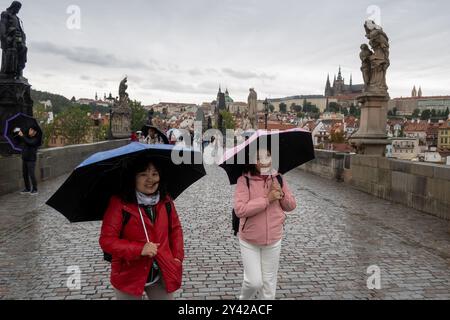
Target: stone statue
[123,95]
[121,113]
[253,108]
[379,58]
[365,55]
[246,124]
[13,42]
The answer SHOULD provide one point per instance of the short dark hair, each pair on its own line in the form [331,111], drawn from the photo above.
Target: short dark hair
[129,170]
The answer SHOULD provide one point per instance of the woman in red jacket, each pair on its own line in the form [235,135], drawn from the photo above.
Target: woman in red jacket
[142,232]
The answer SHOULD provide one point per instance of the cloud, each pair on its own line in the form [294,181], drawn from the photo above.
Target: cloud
[242,74]
[86,55]
[174,86]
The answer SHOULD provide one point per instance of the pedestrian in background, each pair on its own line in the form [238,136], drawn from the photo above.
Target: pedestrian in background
[31,143]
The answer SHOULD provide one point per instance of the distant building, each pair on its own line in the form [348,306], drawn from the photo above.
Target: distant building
[417,129]
[406,106]
[339,87]
[444,136]
[317,100]
[432,156]
[405,148]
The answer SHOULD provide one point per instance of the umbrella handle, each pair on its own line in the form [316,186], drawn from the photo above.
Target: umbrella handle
[143,224]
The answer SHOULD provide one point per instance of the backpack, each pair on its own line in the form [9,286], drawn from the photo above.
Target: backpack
[126,217]
[235,219]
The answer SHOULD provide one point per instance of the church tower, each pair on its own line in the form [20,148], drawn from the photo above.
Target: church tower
[339,86]
[328,90]
[414,92]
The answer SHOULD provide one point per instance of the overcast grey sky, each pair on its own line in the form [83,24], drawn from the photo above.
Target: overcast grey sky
[180,51]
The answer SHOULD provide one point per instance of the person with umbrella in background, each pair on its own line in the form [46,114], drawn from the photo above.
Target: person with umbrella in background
[132,190]
[153,135]
[31,143]
[262,196]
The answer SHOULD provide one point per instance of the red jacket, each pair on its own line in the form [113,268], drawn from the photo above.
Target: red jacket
[129,270]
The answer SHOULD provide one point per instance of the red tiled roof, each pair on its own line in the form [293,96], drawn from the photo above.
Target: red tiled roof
[414,127]
[276,126]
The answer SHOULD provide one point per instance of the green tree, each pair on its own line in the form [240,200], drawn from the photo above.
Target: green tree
[283,107]
[356,112]
[337,137]
[73,124]
[41,115]
[138,115]
[100,133]
[426,115]
[416,113]
[228,120]
[296,108]
[333,107]
[271,108]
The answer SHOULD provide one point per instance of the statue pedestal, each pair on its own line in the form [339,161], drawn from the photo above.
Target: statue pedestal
[15,97]
[121,122]
[371,138]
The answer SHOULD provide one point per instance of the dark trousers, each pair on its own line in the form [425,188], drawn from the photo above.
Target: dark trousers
[28,168]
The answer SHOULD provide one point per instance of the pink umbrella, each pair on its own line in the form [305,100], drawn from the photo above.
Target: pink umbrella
[289,148]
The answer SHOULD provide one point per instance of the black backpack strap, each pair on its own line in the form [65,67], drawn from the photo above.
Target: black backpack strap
[247,179]
[125,218]
[280,180]
[169,212]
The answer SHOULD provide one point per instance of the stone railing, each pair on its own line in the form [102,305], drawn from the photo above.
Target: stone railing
[422,186]
[328,164]
[51,163]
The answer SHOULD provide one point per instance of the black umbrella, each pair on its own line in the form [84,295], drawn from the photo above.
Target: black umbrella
[20,122]
[84,196]
[147,128]
[294,149]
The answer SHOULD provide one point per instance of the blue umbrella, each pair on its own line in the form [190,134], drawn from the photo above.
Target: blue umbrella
[84,196]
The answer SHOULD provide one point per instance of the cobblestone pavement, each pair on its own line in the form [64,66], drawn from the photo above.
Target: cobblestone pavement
[332,238]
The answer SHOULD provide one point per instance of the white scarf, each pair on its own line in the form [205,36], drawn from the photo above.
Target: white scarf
[146,200]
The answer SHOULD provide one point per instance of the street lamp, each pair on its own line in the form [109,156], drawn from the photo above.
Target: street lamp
[266,109]
[110,136]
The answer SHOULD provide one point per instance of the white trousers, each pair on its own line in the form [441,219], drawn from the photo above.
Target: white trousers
[260,270]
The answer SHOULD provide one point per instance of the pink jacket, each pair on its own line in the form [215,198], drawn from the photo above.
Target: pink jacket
[261,223]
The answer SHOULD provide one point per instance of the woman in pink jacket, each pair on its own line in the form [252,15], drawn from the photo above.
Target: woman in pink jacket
[261,207]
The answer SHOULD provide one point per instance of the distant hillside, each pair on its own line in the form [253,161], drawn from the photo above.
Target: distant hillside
[59,102]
